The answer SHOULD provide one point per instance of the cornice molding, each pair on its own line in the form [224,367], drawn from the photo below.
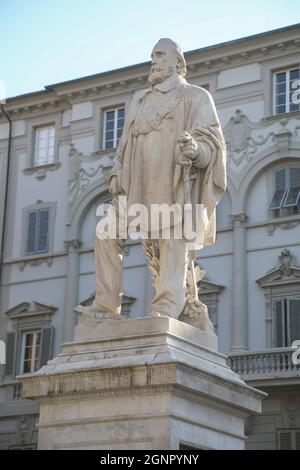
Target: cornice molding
[209,288]
[198,63]
[100,382]
[28,110]
[23,310]
[285,273]
[105,394]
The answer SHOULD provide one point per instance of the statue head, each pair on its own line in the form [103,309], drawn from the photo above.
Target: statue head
[167,60]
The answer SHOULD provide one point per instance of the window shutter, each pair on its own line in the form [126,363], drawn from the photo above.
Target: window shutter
[289,439]
[293,195]
[10,354]
[295,177]
[43,230]
[285,440]
[294,319]
[280,188]
[31,236]
[120,123]
[278,323]
[46,345]
[280,92]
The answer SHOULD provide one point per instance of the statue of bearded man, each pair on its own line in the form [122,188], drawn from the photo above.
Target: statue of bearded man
[169,127]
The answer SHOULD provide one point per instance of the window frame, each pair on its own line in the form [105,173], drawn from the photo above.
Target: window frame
[287,71]
[24,319]
[49,126]
[36,251]
[51,228]
[276,286]
[34,356]
[40,172]
[115,129]
[288,187]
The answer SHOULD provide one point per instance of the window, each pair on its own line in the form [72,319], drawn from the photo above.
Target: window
[287,322]
[38,231]
[113,127]
[288,439]
[29,343]
[286,198]
[44,145]
[31,349]
[38,221]
[285,85]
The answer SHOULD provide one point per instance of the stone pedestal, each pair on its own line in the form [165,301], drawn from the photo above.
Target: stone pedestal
[149,383]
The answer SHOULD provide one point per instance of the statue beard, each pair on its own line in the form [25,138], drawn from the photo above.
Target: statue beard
[158,75]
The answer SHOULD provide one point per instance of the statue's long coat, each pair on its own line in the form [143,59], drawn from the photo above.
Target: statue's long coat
[145,159]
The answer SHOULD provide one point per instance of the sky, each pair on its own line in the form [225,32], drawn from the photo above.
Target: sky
[43,42]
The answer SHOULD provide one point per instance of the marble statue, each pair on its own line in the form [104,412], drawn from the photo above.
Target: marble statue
[172,151]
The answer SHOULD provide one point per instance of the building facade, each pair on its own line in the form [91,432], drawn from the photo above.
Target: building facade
[62,146]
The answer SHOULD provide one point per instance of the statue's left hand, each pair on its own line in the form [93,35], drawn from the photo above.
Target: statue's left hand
[186,148]
[114,185]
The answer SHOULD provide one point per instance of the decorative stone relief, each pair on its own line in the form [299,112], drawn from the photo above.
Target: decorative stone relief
[286,259]
[243,139]
[282,138]
[79,176]
[240,143]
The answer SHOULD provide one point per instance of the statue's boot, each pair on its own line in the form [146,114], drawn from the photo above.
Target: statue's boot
[94,312]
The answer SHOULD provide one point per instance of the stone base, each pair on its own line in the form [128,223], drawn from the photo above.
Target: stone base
[150,383]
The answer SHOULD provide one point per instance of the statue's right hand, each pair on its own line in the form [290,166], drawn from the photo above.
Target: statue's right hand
[113,185]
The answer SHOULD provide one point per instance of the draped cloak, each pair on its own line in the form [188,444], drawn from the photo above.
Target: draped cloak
[145,159]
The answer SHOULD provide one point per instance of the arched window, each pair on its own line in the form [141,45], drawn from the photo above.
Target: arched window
[286,195]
